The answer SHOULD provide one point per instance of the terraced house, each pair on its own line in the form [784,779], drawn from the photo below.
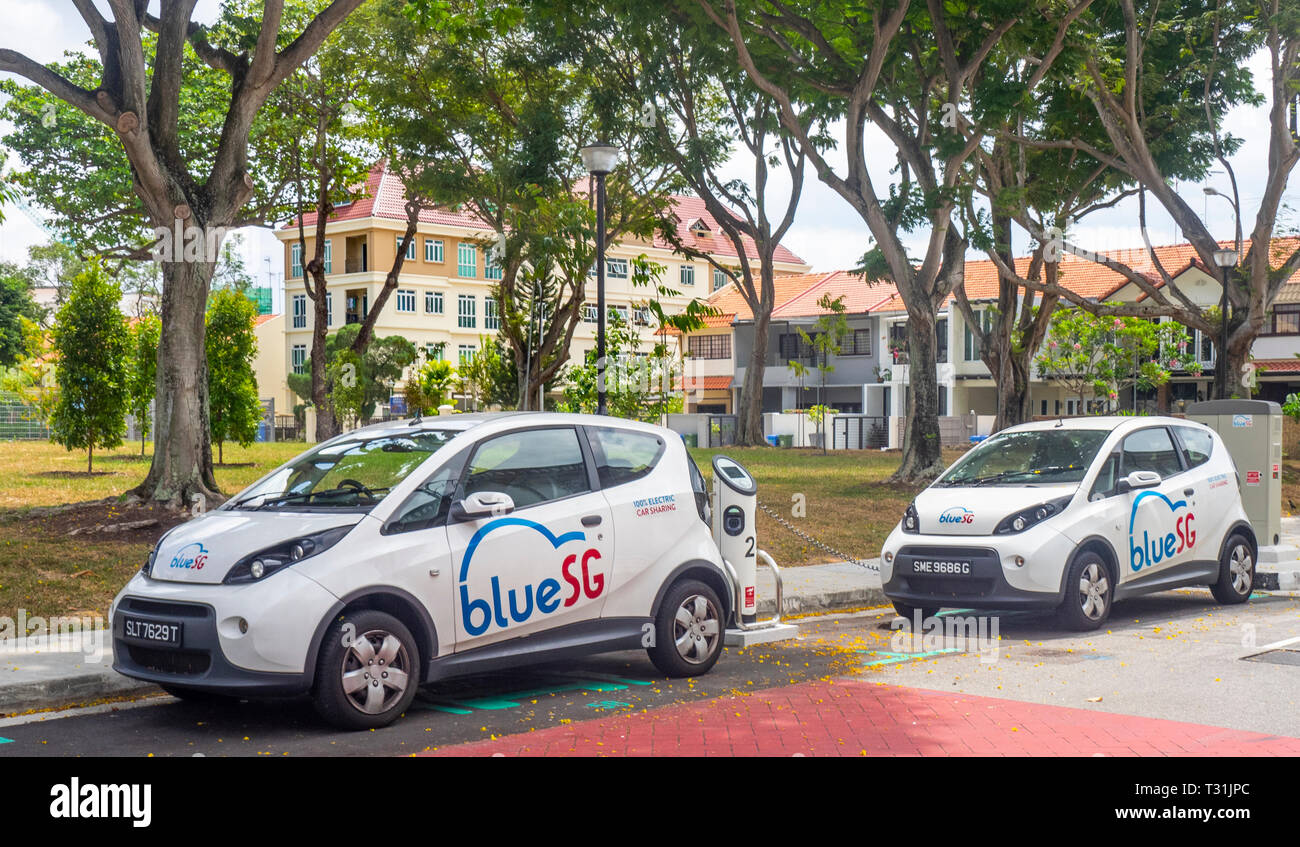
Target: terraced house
[869,377]
[444,302]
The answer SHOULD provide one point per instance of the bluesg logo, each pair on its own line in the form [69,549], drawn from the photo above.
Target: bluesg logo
[1152,551]
[578,570]
[190,557]
[957,515]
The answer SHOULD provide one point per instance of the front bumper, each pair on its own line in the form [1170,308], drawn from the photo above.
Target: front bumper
[994,581]
[274,656]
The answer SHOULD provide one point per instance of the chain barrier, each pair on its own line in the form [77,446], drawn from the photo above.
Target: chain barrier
[774,515]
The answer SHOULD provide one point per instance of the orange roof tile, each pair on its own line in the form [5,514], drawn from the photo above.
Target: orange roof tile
[706,383]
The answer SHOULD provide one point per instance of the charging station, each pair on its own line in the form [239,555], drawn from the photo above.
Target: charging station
[1252,432]
[735,508]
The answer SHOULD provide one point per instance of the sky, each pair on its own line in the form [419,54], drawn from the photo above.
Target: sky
[827,232]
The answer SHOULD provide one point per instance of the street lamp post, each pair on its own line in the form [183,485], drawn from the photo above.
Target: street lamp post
[599,159]
[1225,259]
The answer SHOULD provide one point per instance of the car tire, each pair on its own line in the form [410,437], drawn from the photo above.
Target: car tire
[1236,571]
[367,672]
[908,611]
[1089,594]
[689,630]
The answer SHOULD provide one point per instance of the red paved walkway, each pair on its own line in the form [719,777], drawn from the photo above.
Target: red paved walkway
[852,718]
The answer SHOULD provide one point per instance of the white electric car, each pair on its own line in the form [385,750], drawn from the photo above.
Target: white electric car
[412,551]
[1072,515]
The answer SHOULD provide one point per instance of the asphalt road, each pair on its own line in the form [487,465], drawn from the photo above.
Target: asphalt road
[1175,655]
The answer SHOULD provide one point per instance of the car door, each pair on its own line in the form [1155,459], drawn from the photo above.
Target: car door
[547,562]
[1161,518]
[417,552]
[1211,492]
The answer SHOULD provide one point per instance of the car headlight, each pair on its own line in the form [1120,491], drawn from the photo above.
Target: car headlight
[911,520]
[260,565]
[1025,518]
[147,568]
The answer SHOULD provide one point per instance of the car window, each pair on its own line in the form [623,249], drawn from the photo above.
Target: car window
[1150,450]
[428,505]
[1037,456]
[1107,476]
[532,466]
[625,455]
[1197,443]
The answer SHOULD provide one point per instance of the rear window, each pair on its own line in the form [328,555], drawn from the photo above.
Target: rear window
[624,455]
[1197,443]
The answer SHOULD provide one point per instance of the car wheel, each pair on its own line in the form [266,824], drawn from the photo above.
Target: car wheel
[688,630]
[1089,590]
[908,611]
[1236,571]
[368,671]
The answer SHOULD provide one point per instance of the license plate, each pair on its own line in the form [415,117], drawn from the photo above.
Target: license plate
[151,632]
[941,567]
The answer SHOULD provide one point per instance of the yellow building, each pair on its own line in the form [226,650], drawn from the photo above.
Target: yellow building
[445,296]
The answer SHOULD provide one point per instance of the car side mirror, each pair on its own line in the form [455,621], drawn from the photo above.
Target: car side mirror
[1138,479]
[482,504]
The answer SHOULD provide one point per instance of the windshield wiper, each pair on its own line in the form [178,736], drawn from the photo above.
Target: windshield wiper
[985,480]
[307,495]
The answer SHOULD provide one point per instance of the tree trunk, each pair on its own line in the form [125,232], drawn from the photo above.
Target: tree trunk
[1237,355]
[327,425]
[90,459]
[221,452]
[181,470]
[922,449]
[749,417]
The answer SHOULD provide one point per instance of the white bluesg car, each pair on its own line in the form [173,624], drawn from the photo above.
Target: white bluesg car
[413,551]
[1072,515]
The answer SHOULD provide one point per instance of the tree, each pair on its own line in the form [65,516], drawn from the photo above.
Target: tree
[235,408]
[638,386]
[906,70]
[429,387]
[486,111]
[358,381]
[698,105]
[823,342]
[1103,356]
[192,185]
[91,342]
[1194,56]
[142,375]
[16,307]
[490,377]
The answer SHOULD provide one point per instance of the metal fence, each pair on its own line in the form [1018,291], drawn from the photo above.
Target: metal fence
[20,421]
[858,432]
[722,430]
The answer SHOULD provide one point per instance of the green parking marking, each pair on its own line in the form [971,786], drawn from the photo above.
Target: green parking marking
[6,741]
[601,705]
[894,658]
[434,707]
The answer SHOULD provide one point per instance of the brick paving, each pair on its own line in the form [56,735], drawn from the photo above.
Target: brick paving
[855,718]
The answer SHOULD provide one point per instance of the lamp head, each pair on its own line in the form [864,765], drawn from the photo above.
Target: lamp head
[599,158]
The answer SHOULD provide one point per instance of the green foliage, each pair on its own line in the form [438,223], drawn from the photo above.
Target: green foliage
[16,306]
[234,408]
[1101,356]
[143,372]
[91,342]
[490,378]
[356,384]
[429,387]
[637,386]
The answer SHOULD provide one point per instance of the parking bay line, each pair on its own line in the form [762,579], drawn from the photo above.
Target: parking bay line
[510,700]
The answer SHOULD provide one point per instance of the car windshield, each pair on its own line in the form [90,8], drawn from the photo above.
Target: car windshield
[1039,456]
[348,474]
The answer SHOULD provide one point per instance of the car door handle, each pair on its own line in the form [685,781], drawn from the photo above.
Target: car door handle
[1189,491]
[591,520]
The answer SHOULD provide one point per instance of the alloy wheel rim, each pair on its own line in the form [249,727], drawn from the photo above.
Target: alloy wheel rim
[1241,565]
[696,629]
[1093,586]
[376,671]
